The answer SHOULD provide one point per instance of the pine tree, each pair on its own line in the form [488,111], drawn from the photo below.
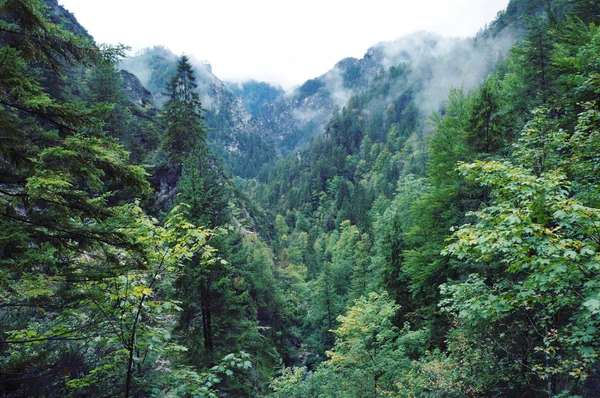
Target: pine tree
[484,133]
[204,189]
[534,60]
[104,85]
[183,114]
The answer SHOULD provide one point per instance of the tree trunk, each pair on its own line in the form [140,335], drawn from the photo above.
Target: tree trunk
[206,318]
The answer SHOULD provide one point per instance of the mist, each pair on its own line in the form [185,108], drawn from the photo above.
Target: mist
[435,65]
[445,63]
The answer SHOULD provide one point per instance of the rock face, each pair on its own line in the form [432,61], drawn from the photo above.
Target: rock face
[136,92]
[255,94]
[295,117]
[60,16]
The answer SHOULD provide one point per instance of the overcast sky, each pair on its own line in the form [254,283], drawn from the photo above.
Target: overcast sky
[280,41]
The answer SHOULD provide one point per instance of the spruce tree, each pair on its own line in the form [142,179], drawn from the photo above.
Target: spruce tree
[183,114]
[203,188]
[201,191]
[105,87]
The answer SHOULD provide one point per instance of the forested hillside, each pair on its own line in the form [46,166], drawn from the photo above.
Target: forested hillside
[421,222]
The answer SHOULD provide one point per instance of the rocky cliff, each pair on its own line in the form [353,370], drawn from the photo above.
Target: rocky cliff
[137,94]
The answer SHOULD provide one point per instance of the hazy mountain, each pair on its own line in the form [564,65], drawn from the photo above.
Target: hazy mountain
[259,118]
[233,133]
[436,64]
[255,94]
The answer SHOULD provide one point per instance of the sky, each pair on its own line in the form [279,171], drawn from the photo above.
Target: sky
[283,42]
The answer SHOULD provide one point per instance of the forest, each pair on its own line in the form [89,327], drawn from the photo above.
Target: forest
[158,242]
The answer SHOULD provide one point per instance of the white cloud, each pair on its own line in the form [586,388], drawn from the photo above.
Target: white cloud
[282,42]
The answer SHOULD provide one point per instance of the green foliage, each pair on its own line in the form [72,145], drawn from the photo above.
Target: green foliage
[134,125]
[185,382]
[512,312]
[370,357]
[134,310]
[363,354]
[233,304]
[87,280]
[392,228]
[486,134]
[203,189]
[546,242]
[182,114]
[387,269]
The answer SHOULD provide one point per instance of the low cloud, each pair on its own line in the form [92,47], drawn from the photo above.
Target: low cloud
[305,116]
[335,83]
[443,63]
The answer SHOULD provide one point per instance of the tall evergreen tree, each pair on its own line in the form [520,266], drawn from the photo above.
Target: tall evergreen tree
[183,114]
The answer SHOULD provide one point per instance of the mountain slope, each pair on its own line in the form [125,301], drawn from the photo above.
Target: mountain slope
[437,63]
[234,136]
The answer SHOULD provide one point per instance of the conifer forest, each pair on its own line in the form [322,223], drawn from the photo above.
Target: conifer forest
[420,222]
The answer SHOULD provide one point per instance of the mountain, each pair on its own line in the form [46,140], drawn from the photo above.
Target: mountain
[255,94]
[57,14]
[252,122]
[234,135]
[437,63]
